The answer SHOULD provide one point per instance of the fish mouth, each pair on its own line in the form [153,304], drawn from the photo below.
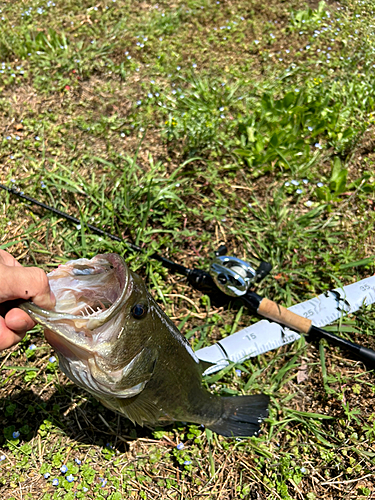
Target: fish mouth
[89,293]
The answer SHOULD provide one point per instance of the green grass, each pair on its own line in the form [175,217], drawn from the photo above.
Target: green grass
[179,127]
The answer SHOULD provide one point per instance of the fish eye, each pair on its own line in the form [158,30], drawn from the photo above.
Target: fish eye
[139,311]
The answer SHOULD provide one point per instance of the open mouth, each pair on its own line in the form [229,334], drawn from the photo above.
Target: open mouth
[88,292]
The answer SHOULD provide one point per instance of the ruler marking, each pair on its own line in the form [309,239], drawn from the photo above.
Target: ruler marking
[322,310]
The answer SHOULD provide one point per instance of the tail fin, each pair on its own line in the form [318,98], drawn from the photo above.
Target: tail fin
[242,415]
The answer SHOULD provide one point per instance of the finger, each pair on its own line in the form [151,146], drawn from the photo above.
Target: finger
[7,259]
[26,283]
[8,337]
[18,321]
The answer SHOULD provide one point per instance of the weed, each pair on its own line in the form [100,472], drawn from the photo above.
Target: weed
[179,127]
[308,18]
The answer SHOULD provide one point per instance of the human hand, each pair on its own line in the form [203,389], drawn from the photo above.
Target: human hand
[18,282]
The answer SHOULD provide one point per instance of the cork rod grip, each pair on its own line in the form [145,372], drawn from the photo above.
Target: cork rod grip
[273,311]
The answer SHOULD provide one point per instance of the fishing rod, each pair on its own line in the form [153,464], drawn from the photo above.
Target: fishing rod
[173,266]
[230,278]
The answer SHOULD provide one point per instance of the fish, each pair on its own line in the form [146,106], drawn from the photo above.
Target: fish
[113,340]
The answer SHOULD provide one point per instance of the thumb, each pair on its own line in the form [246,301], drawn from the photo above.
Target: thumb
[29,283]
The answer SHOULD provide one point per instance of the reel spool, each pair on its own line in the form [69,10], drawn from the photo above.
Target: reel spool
[231,275]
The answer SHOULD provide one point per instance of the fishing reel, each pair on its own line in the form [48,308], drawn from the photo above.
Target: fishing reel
[234,276]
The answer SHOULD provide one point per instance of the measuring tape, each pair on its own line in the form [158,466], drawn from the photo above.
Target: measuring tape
[265,336]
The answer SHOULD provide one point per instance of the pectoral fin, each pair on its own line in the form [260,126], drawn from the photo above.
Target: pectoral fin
[127,381]
[139,370]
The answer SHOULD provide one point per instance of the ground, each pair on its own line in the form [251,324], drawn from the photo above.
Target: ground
[179,126]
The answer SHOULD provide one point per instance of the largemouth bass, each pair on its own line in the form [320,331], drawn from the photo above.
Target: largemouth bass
[114,341]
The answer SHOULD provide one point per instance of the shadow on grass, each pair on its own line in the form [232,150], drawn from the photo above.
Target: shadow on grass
[65,411]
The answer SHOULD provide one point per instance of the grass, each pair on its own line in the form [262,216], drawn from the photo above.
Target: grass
[179,127]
